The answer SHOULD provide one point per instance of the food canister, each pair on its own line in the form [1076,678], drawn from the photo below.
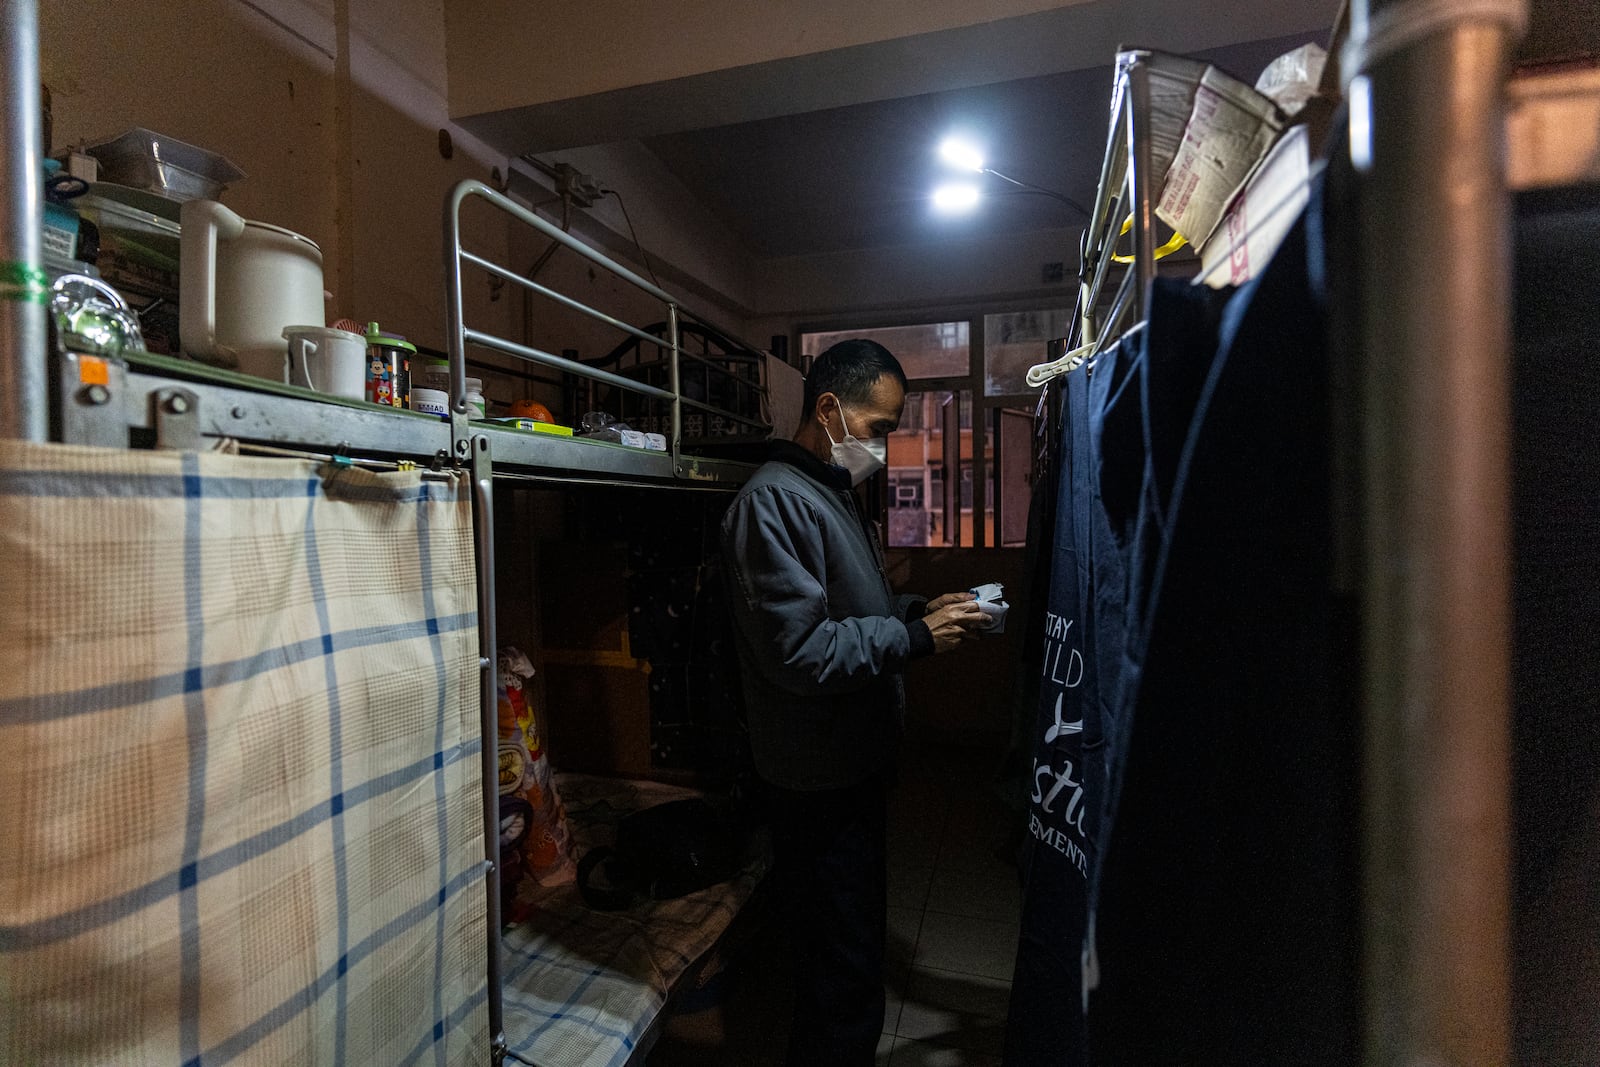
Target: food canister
[431,373]
[430,401]
[388,368]
[430,387]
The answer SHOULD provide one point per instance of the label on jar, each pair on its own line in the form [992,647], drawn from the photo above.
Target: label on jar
[431,401]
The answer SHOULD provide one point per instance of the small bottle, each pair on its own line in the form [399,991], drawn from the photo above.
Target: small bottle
[477,407]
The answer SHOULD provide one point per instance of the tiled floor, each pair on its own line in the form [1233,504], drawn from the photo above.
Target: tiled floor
[953,912]
[954,908]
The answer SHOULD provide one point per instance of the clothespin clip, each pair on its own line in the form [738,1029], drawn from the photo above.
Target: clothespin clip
[1043,372]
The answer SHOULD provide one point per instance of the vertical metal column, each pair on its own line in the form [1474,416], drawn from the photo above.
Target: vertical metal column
[1139,182]
[24,397]
[677,393]
[1435,346]
[455,324]
[482,474]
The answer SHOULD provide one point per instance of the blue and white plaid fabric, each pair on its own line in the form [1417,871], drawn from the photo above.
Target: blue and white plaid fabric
[241,820]
[582,987]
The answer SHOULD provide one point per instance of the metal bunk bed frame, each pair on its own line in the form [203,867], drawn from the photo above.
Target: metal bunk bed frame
[471,447]
[154,400]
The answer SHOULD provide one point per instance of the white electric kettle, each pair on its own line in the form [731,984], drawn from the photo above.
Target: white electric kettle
[240,283]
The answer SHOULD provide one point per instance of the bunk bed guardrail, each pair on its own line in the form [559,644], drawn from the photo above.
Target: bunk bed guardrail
[461,335]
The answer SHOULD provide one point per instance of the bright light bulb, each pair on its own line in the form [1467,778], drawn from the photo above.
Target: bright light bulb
[963,155]
[955,197]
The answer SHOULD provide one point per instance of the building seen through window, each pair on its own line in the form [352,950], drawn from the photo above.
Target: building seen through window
[981,402]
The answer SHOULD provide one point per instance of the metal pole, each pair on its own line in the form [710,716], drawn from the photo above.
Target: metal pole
[677,393]
[1435,345]
[482,473]
[1139,179]
[24,397]
[455,322]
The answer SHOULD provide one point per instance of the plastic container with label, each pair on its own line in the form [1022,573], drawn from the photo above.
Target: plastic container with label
[388,368]
[430,401]
[477,407]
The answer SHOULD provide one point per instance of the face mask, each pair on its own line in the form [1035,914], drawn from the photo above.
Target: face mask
[862,459]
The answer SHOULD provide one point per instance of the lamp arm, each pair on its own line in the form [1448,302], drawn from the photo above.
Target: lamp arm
[1031,188]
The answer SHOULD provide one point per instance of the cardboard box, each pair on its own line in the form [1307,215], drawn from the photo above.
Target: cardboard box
[1231,127]
[1260,214]
[596,691]
[1173,82]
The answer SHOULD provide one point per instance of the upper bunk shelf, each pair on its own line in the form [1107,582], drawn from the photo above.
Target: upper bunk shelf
[157,401]
[684,374]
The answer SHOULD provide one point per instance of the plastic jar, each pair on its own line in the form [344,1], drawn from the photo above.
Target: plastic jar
[430,401]
[434,374]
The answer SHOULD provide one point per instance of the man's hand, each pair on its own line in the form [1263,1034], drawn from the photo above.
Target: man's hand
[955,622]
[945,601]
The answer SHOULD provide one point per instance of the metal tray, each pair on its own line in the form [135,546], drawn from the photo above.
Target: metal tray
[145,159]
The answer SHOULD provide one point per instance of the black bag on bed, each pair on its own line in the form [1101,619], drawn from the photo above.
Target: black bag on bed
[662,852]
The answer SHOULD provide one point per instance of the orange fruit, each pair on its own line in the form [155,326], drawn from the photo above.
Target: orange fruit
[531,409]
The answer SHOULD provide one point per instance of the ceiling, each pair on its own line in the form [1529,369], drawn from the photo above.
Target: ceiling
[860,176]
[815,154]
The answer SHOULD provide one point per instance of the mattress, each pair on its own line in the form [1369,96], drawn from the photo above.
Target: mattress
[584,988]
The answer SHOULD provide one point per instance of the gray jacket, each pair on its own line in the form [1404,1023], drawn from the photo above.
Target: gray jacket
[821,637]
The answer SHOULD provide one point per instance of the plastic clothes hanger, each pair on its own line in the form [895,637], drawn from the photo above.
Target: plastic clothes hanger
[1043,372]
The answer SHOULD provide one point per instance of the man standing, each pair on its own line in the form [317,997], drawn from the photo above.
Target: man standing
[822,641]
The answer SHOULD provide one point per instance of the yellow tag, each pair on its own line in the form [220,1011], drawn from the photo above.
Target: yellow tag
[93,371]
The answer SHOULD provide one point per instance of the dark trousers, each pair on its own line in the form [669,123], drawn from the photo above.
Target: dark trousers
[831,869]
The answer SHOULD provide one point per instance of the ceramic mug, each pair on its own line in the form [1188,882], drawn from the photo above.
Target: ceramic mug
[327,360]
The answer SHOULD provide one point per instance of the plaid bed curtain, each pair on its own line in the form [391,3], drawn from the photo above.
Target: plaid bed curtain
[240,818]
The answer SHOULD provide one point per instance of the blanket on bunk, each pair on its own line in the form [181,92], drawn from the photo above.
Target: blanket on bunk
[239,722]
[583,987]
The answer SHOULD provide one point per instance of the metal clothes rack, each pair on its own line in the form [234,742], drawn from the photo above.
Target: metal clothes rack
[1431,341]
[1125,187]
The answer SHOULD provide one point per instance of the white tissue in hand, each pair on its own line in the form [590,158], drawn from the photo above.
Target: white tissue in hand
[993,607]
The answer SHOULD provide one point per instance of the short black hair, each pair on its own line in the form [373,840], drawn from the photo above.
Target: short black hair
[849,370]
